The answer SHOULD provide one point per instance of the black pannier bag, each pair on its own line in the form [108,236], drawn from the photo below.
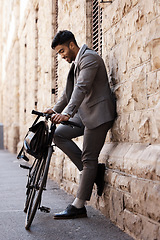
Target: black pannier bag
[35,142]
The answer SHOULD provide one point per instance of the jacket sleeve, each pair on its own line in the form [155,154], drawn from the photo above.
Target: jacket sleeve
[61,103]
[88,66]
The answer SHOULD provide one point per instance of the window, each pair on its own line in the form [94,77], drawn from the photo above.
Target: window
[55,56]
[96,27]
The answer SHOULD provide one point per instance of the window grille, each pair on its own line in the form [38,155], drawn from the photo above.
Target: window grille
[55,70]
[56,65]
[97,27]
[56,58]
[56,76]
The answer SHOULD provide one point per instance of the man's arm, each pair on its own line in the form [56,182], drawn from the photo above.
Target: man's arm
[61,103]
[88,68]
[57,117]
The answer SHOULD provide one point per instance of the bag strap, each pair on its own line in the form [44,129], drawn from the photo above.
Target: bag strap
[21,154]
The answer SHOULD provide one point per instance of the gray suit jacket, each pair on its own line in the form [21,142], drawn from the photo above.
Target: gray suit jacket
[87,91]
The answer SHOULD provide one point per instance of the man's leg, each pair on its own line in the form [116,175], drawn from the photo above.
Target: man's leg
[92,145]
[93,142]
[63,140]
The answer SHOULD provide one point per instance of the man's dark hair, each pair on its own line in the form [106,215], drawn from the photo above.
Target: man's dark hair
[63,37]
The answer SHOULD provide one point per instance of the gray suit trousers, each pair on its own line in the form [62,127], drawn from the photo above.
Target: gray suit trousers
[87,158]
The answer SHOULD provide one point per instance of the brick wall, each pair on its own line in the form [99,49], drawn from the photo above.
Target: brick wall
[131,46]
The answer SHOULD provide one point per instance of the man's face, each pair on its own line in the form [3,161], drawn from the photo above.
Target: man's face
[66,52]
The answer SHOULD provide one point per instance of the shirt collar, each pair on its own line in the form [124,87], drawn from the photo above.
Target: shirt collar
[79,53]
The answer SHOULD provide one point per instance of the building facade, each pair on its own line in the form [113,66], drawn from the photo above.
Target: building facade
[126,33]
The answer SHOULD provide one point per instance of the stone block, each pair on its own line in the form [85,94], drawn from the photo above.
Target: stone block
[156,115]
[124,94]
[148,8]
[129,23]
[147,162]
[149,230]
[153,100]
[123,183]
[128,202]
[134,2]
[56,170]
[70,172]
[138,193]
[141,18]
[116,157]
[121,128]
[140,227]
[103,202]
[133,224]
[144,126]
[139,94]
[117,180]
[111,177]
[112,14]
[143,161]
[69,187]
[158,168]
[106,151]
[152,201]
[116,204]
[155,53]
[157,8]
[126,7]
[138,52]
[132,156]
[109,38]
[158,235]
[152,83]
[144,199]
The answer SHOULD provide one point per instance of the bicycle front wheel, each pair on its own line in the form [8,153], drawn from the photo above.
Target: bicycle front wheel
[31,182]
[39,185]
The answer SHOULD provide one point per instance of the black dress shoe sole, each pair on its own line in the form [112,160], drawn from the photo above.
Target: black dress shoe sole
[70,217]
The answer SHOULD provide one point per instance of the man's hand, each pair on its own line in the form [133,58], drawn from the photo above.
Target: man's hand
[49,110]
[57,118]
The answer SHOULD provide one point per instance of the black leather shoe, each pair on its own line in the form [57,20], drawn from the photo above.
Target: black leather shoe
[100,178]
[71,212]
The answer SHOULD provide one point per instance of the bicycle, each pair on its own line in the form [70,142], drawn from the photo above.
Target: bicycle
[38,172]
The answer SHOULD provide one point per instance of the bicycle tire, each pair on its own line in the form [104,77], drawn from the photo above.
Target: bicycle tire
[30,182]
[41,180]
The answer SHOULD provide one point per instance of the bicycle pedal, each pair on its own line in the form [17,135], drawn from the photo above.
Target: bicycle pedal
[25,167]
[44,209]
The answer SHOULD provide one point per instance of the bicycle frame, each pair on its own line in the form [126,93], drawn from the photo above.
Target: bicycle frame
[38,172]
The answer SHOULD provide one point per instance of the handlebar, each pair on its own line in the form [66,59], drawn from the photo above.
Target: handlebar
[70,123]
[41,114]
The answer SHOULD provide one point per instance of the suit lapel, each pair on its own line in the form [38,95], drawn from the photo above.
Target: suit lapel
[80,53]
[72,72]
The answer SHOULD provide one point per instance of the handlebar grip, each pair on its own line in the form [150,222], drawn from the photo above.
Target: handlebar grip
[37,113]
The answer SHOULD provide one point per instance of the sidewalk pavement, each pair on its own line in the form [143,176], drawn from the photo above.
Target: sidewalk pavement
[44,227]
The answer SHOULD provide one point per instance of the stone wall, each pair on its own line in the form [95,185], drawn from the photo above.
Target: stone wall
[131,46]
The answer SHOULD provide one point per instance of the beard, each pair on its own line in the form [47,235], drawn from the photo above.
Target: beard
[71,56]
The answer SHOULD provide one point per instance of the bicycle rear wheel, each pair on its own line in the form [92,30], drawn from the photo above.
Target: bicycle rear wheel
[38,187]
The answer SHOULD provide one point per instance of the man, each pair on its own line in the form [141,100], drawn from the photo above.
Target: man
[88,101]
